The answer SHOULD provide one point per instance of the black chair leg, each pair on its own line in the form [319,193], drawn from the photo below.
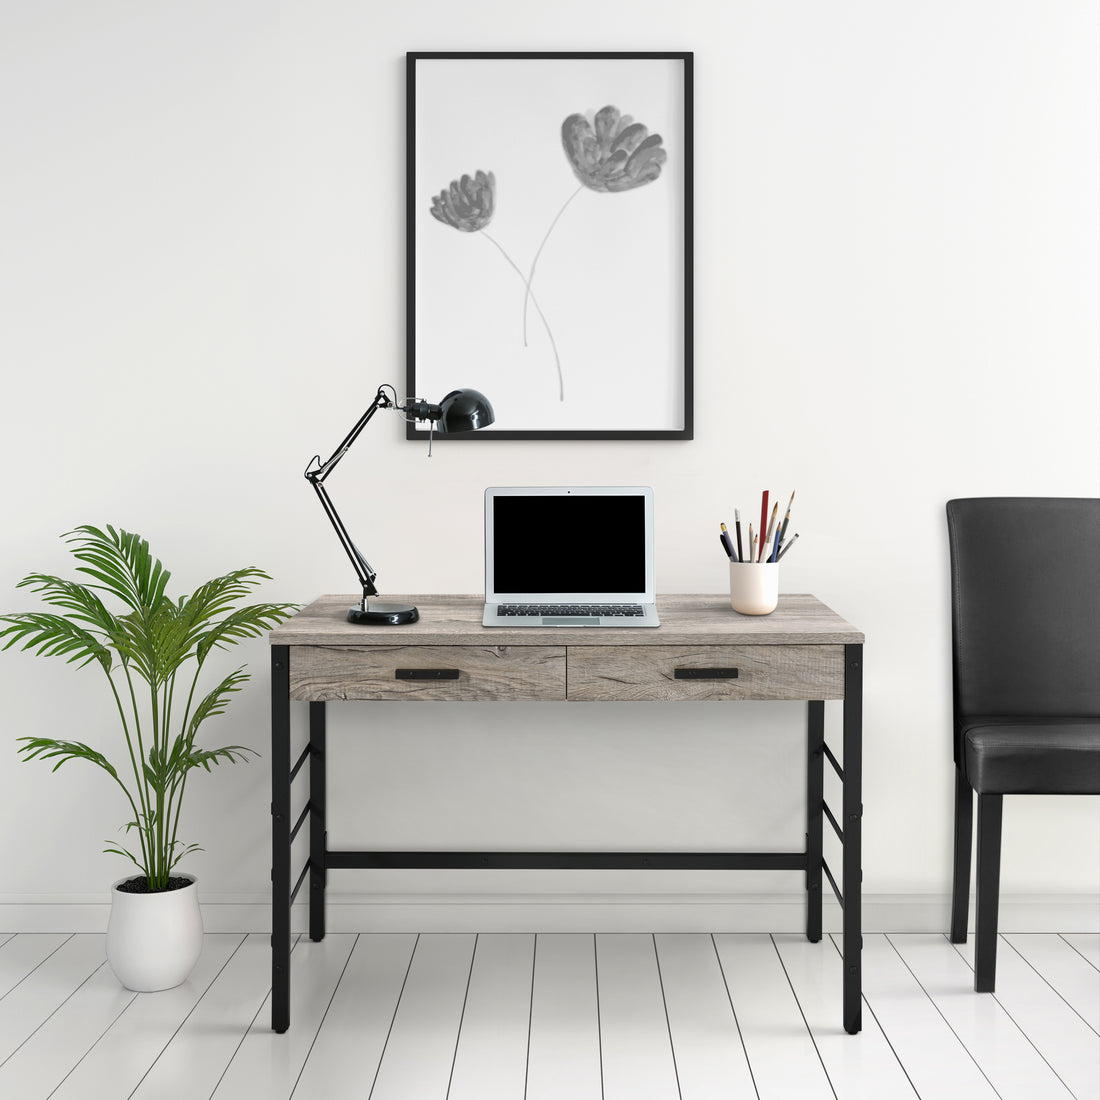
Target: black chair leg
[989,885]
[964,828]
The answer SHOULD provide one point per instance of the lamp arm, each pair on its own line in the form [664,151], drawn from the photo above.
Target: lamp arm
[316,477]
[363,569]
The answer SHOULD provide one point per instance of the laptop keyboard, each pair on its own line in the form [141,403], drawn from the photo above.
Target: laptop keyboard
[538,609]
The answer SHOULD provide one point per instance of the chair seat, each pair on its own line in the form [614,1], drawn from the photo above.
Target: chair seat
[1038,756]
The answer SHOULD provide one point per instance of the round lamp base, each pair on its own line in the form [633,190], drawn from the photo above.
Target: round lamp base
[383,614]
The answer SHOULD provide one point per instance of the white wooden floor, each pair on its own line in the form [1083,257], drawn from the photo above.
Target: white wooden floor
[555,1017]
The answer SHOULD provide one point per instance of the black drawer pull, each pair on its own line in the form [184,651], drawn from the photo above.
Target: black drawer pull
[425,673]
[706,674]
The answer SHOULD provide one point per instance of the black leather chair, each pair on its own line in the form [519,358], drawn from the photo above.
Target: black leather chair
[1025,624]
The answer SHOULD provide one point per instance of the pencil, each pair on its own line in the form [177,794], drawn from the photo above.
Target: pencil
[737,528]
[786,519]
[766,548]
[725,548]
[752,545]
[763,521]
[794,539]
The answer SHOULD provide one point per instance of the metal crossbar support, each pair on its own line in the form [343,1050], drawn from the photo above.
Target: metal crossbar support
[298,764]
[589,861]
[298,884]
[832,821]
[832,883]
[298,824]
[833,760]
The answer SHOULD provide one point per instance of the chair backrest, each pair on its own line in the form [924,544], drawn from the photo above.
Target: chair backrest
[1025,602]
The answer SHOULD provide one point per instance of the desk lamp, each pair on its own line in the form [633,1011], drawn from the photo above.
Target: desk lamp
[460,411]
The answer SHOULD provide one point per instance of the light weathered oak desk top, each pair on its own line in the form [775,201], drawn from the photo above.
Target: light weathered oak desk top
[685,620]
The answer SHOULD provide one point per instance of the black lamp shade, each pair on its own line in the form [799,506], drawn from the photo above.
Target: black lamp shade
[464,411]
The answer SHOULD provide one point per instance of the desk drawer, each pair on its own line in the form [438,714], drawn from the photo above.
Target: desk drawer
[681,673]
[439,673]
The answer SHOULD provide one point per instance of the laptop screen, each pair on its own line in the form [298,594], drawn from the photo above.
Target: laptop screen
[580,541]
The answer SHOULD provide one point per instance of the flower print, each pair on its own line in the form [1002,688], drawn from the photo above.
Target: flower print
[614,154]
[467,205]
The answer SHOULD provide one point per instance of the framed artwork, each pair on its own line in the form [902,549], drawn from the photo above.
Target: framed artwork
[549,225]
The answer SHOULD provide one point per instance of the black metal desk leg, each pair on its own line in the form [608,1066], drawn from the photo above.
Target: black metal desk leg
[280,838]
[318,871]
[853,814]
[815,795]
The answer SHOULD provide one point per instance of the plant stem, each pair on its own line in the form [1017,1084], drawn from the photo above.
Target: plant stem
[137,774]
[538,253]
[545,323]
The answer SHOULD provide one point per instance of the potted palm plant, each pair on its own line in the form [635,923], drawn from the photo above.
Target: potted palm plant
[152,651]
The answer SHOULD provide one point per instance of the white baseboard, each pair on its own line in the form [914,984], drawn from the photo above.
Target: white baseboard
[570,913]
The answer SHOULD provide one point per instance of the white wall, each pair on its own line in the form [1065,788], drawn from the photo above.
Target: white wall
[897,272]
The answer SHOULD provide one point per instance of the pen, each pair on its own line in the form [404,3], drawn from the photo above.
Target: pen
[794,539]
[774,556]
[737,528]
[722,540]
[727,543]
[786,519]
[763,523]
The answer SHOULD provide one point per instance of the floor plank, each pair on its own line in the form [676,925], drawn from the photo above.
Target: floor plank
[858,1066]
[22,953]
[935,1060]
[1086,944]
[993,1039]
[491,1060]
[638,1062]
[345,1058]
[192,1064]
[120,1059]
[563,1059]
[267,1065]
[46,988]
[1064,1040]
[1071,976]
[420,1052]
[44,1060]
[785,1064]
[710,1056]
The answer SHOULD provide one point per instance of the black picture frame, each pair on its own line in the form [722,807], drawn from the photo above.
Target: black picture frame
[647,392]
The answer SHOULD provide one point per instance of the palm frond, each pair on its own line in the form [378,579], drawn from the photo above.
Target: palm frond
[245,622]
[122,562]
[114,849]
[47,748]
[215,701]
[54,636]
[227,754]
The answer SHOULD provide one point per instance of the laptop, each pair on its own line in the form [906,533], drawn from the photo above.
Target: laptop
[570,556]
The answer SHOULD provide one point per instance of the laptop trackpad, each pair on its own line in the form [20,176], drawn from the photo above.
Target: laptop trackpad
[570,620]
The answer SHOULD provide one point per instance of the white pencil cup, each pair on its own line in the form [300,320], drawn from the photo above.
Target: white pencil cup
[754,587]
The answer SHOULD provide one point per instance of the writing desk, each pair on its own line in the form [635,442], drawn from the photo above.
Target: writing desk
[701,650]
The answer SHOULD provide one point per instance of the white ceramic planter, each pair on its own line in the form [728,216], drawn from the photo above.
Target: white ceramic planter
[754,587]
[154,940]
